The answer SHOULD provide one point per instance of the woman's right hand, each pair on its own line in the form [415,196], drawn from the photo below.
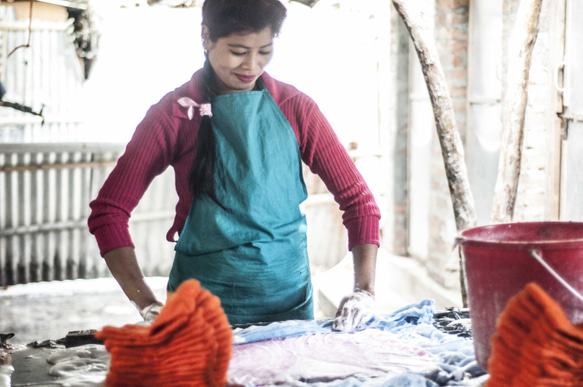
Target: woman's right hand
[123,265]
[150,312]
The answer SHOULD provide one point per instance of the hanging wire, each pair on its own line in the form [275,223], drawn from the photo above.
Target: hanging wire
[27,45]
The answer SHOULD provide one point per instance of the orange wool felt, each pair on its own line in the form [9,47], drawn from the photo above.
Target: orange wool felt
[189,344]
[535,344]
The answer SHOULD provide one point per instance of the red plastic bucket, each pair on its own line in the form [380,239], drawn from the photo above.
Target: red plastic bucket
[501,259]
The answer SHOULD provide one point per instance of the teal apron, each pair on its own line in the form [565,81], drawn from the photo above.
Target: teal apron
[253,255]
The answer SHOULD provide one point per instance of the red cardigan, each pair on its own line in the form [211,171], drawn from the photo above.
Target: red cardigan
[162,139]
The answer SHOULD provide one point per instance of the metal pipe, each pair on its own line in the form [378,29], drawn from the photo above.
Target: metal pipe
[45,167]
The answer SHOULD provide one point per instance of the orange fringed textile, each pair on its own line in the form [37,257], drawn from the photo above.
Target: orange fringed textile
[189,344]
[535,344]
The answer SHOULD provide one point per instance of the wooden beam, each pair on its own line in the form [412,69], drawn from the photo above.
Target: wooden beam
[520,46]
[451,145]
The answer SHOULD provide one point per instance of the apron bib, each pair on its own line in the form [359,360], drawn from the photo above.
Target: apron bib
[253,255]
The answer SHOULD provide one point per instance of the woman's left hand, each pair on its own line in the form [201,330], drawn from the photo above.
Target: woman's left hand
[354,311]
[150,312]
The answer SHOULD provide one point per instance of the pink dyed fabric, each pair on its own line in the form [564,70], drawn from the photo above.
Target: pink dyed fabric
[326,357]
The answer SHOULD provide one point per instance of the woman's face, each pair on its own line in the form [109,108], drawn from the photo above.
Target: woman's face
[238,59]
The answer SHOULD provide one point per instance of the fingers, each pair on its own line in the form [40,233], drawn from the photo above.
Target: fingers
[150,312]
[354,311]
[343,316]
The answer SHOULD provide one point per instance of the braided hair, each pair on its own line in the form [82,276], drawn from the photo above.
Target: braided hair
[223,18]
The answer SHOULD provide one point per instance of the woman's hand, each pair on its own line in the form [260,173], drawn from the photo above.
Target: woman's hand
[123,265]
[355,310]
[150,312]
[358,307]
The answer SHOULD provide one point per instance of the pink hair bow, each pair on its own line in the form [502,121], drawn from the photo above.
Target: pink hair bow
[205,108]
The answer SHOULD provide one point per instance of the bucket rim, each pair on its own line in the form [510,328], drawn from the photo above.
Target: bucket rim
[463,239]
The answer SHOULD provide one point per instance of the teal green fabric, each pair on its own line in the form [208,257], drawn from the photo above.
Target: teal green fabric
[252,254]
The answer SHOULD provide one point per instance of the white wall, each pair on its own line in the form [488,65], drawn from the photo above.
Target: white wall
[147,51]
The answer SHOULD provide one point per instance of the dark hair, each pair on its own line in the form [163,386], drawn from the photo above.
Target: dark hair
[223,18]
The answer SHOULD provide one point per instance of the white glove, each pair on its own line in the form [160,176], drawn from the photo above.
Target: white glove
[150,312]
[354,311]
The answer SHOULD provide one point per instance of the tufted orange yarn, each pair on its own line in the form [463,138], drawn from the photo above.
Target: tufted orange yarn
[189,344]
[535,344]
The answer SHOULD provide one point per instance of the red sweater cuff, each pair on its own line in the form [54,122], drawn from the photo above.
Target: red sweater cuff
[113,236]
[363,230]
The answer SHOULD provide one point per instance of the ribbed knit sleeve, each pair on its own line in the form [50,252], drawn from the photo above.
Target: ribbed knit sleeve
[147,155]
[165,137]
[322,151]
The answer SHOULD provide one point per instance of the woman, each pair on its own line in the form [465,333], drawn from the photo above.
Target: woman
[236,138]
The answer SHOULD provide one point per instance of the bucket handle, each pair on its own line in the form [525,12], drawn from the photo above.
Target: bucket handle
[536,255]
